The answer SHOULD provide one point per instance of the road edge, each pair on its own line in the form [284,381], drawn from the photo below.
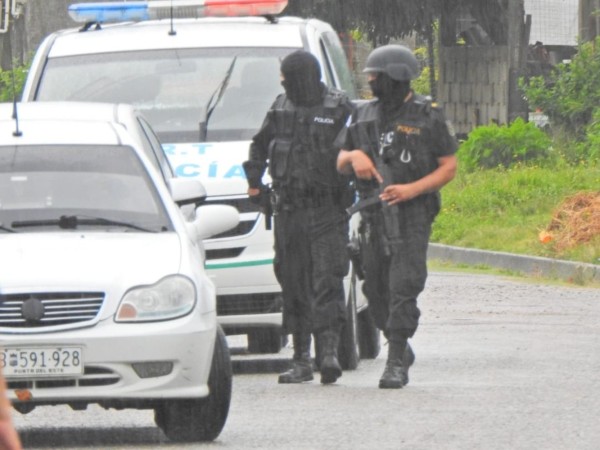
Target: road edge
[530,265]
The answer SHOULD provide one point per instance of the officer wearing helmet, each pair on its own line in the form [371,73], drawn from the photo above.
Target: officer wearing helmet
[309,198]
[402,150]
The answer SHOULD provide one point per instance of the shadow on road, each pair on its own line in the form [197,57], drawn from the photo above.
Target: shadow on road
[247,363]
[70,437]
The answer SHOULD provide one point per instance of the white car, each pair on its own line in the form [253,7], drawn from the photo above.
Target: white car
[104,298]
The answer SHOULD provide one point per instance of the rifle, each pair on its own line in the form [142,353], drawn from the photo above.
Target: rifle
[354,251]
[363,204]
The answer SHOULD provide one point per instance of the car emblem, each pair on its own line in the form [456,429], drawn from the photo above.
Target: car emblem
[33,310]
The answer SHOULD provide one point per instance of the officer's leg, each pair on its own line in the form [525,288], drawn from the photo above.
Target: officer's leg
[408,273]
[376,284]
[331,262]
[291,259]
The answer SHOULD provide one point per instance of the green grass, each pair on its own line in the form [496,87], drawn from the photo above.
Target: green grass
[505,209]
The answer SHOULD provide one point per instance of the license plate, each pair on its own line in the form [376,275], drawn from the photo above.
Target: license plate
[34,362]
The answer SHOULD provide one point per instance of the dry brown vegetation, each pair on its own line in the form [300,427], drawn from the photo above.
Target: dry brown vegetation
[576,221]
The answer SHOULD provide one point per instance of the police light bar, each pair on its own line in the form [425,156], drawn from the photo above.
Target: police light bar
[102,12]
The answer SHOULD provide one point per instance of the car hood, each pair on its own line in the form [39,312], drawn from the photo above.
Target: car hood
[50,261]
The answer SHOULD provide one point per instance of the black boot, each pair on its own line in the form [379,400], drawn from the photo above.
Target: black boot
[301,369]
[329,365]
[400,357]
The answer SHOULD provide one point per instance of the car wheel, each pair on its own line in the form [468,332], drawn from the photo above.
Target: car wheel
[369,336]
[265,340]
[348,350]
[201,419]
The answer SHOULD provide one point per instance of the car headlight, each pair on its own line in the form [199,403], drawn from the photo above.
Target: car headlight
[171,297]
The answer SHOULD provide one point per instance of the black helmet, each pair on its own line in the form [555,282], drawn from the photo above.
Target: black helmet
[397,61]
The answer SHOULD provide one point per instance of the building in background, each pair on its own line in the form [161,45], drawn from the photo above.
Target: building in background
[484,51]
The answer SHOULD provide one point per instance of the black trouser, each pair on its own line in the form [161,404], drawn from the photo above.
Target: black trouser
[396,268]
[311,261]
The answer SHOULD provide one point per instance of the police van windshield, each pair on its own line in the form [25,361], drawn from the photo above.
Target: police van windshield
[173,87]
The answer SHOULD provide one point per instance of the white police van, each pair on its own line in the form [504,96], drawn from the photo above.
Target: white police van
[205,82]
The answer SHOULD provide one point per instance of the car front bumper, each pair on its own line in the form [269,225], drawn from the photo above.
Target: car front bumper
[144,361]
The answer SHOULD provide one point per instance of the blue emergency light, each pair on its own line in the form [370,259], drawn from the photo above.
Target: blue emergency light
[102,12]
[109,12]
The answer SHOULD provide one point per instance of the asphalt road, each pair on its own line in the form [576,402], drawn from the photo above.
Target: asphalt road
[501,364]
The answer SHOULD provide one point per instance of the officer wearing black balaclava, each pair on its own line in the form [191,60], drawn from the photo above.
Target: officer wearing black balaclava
[309,199]
[401,145]
[301,79]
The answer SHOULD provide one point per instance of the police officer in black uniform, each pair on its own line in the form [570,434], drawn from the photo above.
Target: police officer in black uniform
[401,149]
[309,197]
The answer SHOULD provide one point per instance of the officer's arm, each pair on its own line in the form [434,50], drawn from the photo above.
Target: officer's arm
[442,175]
[357,162]
[256,164]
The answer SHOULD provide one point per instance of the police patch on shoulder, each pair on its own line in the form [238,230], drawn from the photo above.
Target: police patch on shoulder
[408,129]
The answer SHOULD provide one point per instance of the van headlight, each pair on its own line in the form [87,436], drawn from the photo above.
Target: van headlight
[171,297]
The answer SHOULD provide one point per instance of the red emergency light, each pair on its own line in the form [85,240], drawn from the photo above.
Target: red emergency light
[102,12]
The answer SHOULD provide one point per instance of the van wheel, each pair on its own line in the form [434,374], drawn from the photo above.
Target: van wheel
[201,419]
[349,351]
[265,340]
[369,336]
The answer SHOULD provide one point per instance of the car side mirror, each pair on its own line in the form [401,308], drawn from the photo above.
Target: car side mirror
[212,220]
[186,191]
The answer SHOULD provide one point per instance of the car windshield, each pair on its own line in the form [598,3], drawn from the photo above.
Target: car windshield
[173,88]
[85,187]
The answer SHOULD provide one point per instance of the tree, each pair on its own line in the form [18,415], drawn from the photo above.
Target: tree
[383,20]
[380,20]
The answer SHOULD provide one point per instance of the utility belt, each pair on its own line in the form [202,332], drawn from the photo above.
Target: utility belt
[294,199]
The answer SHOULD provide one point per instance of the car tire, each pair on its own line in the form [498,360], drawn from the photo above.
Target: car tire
[369,336]
[265,340]
[349,350]
[201,420]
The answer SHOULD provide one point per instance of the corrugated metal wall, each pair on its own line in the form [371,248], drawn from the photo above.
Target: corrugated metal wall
[474,85]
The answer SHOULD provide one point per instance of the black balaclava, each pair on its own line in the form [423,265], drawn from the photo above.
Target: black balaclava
[391,93]
[302,78]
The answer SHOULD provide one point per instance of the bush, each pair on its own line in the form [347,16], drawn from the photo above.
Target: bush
[19,72]
[589,149]
[571,93]
[494,145]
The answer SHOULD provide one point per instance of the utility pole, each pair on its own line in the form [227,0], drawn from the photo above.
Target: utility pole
[518,40]
[589,19]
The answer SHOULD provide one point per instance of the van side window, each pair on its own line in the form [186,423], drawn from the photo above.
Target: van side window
[340,62]
[330,78]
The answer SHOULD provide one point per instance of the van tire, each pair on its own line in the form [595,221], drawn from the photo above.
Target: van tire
[369,336]
[265,340]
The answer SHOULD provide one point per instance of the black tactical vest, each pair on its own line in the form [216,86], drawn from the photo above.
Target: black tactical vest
[401,147]
[402,142]
[301,155]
